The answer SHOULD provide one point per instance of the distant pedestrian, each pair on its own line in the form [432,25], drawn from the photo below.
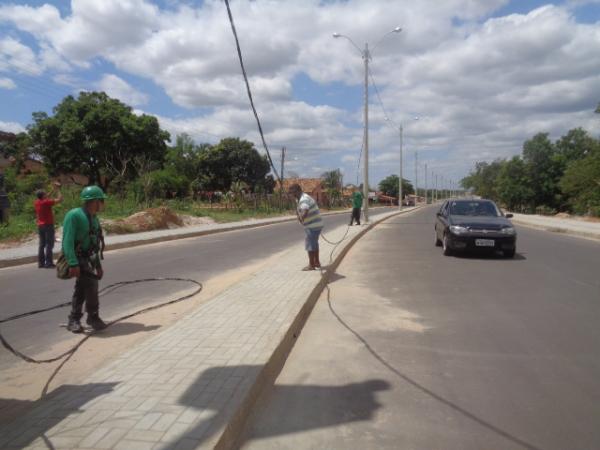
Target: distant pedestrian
[308,215]
[82,247]
[357,200]
[45,223]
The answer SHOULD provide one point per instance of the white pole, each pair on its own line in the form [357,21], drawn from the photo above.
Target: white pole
[366,145]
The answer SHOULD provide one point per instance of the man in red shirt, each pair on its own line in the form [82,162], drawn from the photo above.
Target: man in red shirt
[45,222]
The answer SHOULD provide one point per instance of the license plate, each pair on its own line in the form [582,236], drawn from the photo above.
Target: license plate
[484,242]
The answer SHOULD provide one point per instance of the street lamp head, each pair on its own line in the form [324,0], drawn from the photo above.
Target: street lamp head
[336,35]
[397,30]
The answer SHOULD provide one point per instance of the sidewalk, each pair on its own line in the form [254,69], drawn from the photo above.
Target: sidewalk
[192,385]
[559,225]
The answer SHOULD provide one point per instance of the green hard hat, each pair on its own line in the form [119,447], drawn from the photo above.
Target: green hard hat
[92,193]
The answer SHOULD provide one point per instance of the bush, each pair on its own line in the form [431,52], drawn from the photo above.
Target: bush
[165,184]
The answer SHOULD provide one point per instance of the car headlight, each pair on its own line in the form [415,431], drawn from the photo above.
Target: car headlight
[508,230]
[456,229]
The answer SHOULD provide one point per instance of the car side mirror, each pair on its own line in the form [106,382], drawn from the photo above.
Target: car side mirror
[508,216]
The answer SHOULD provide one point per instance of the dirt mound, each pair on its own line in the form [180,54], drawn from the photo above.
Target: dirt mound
[161,218]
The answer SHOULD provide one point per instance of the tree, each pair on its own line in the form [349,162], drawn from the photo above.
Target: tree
[332,182]
[96,136]
[513,186]
[581,184]
[389,186]
[576,144]
[544,170]
[185,157]
[232,160]
[483,179]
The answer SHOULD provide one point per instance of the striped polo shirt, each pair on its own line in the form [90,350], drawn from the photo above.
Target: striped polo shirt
[313,220]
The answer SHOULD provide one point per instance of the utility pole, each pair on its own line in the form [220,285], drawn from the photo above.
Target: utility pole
[400,180]
[366,57]
[436,188]
[282,164]
[281,181]
[416,178]
[426,196]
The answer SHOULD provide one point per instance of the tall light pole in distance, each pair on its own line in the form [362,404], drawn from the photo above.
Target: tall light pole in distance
[366,55]
[401,129]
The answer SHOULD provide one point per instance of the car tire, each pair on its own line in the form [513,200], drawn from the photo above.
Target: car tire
[437,241]
[509,253]
[445,246]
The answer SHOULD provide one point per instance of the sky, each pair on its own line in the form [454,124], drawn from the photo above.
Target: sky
[468,80]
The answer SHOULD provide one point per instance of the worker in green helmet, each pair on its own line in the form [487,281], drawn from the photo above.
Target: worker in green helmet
[82,246]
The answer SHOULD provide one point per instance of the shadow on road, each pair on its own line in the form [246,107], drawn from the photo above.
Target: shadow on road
[488,256]
[322,406]
[125,328]
[24,421]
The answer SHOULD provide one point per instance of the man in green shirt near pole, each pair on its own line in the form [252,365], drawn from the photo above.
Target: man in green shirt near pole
[82,240]
[357,200]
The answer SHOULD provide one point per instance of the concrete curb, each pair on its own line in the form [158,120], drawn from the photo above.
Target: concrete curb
[136,243]
[230,437]
[555,229]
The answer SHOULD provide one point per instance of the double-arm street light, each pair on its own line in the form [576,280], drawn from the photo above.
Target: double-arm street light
[366,55]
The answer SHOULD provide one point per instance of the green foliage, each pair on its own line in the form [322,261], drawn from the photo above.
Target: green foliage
[166,183]
[96,136]
[513,186]
[483,179]
[332,183]
[232,159]
[549,177]
[185,159]
[389,186]
[581,183]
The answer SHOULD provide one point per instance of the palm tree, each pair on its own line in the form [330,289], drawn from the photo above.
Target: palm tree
[332,183]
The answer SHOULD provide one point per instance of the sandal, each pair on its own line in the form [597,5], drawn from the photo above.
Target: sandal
[307,268]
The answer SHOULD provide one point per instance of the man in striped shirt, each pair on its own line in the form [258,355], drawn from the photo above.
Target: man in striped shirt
[309,216]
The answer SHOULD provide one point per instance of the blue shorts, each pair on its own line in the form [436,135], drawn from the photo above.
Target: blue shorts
[311,243]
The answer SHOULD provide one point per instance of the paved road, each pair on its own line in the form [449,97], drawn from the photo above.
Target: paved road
[26,288]
[415,350]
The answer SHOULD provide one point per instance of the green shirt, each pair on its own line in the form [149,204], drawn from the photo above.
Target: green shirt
[357,199]
[76,232]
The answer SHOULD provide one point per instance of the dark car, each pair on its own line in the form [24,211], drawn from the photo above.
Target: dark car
[474,225]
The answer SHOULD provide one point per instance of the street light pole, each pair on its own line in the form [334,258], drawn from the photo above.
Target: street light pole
[366,56]
[426,196]
[366,137]
[400,178]
[416,179]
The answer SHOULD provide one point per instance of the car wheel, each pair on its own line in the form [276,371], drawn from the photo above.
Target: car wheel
[437,241]
[445,246]
[509,253]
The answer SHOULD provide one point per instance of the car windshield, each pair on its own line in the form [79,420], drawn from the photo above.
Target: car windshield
[474,209]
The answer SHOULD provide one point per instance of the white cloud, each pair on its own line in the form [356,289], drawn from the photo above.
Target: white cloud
[482,85]
[118,88]
[11,127]
[7,83]
[18,57]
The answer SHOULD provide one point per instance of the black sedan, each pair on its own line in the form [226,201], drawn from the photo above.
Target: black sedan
[474,225]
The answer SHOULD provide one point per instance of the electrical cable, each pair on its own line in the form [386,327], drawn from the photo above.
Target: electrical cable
[113,286]
[239,52]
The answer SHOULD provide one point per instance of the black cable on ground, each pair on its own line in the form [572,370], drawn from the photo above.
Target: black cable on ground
[113,286]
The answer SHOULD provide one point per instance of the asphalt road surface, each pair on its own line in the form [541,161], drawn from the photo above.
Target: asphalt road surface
[26,288]
[411,349]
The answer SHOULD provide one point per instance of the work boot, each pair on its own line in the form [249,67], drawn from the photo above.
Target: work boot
[96,322]
[74,325]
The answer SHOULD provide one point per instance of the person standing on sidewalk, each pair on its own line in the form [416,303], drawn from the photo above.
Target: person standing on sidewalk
[45,222]
[357,200]
[308,215]
[82,240]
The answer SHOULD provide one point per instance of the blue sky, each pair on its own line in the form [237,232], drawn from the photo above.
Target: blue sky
[482,77]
